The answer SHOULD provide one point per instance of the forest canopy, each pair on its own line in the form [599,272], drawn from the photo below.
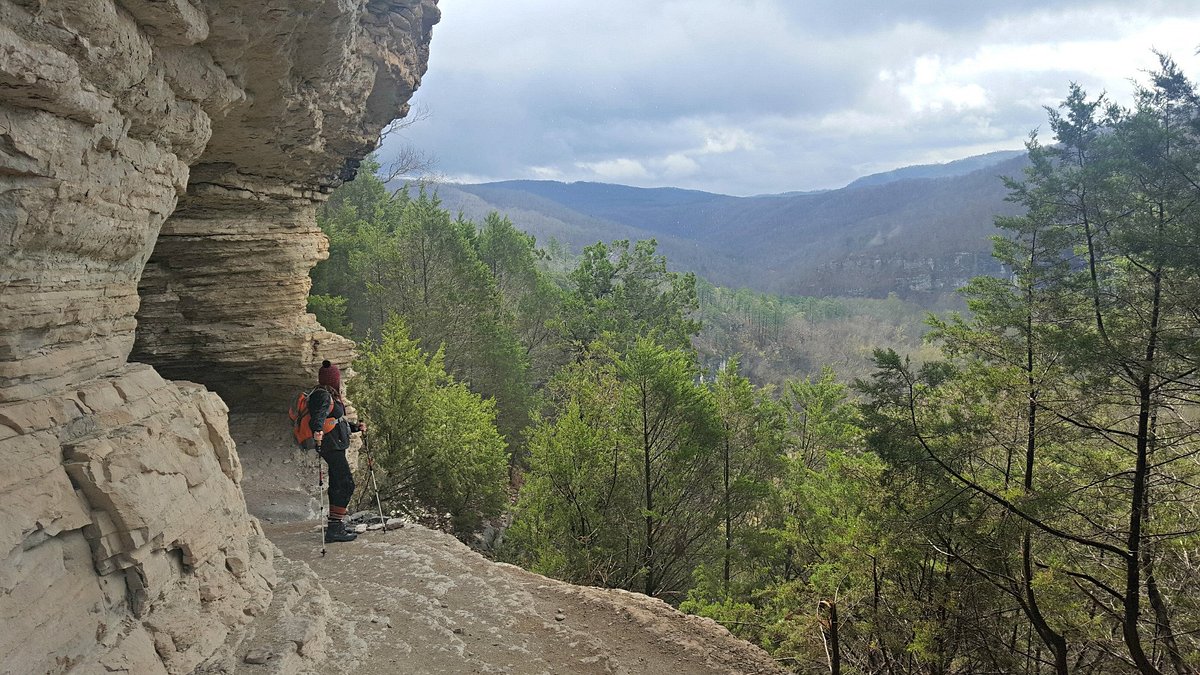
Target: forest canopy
[1020,494]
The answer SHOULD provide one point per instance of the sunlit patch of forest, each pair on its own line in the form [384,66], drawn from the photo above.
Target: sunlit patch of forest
[783,337]
[1019,492]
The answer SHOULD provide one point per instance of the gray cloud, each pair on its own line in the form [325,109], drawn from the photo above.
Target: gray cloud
[954,15]
[755,96]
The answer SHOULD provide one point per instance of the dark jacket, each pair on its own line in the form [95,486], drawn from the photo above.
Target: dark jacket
[318,408]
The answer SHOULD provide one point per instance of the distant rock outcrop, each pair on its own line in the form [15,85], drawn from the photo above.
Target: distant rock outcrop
[125,545]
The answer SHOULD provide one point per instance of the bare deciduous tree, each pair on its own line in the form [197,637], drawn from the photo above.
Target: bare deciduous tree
[408,161]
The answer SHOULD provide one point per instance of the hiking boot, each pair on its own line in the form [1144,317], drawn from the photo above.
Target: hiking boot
[335,530]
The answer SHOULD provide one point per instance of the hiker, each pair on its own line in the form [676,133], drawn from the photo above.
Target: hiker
[332,447]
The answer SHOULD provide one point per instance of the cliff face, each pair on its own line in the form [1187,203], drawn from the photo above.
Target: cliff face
[305,86]
[124,537]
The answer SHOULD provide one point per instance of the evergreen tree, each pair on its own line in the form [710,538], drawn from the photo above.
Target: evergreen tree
[436,442]
[751,444]
[625,294]
[391,253]
[1067,413]
[576,516]
[528,295]
[622,478]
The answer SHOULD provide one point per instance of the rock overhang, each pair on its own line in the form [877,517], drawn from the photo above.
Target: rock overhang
[112,114]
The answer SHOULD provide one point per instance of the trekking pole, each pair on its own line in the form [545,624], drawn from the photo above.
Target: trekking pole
[321,514]
[374,483]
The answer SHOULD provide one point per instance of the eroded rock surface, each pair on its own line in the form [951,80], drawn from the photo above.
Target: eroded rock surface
[425,603]
[127,534]
[225,292]
[417,601]
[125,544]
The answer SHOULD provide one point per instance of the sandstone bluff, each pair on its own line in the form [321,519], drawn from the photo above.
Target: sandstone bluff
[160,166]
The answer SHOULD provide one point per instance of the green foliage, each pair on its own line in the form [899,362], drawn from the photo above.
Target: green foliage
[528,295]
[468,476]
[836,544]
[623,294]
[1024,502]
[783,337]
[750,448]
[575,517]
[622,474]
[820,417]
[358,219]
[331,313]
[480,295]
[432,276]
[434,441]
[670,427]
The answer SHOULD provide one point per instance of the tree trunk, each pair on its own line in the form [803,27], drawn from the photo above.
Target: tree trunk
[835,649]
[1138,504]
[1052,639]
[648,475]
[728,517]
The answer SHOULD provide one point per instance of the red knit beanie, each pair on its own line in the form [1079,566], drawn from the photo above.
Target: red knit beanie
[330,376]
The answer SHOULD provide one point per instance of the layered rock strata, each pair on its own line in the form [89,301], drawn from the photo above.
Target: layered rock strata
[225,291]
[224,295]
[124,539]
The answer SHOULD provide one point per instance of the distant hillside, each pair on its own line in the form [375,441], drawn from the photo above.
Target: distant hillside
[917,236]
[547,219]
[958,167]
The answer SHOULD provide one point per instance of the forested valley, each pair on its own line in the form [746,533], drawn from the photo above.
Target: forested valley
[1010,489]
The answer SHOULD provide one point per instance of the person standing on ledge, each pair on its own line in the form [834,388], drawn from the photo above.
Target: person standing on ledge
[332,447]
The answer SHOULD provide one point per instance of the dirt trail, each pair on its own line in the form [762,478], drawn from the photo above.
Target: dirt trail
[419,601]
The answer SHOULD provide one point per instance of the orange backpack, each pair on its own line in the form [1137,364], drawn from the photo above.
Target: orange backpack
[300,416]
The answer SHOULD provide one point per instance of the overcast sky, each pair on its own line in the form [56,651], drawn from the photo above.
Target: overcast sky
[762,96]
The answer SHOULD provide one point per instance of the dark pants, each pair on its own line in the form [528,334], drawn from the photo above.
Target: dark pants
[341,482]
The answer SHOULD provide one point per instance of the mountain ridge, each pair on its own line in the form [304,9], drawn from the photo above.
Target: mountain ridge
[952,168]
[919,232]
